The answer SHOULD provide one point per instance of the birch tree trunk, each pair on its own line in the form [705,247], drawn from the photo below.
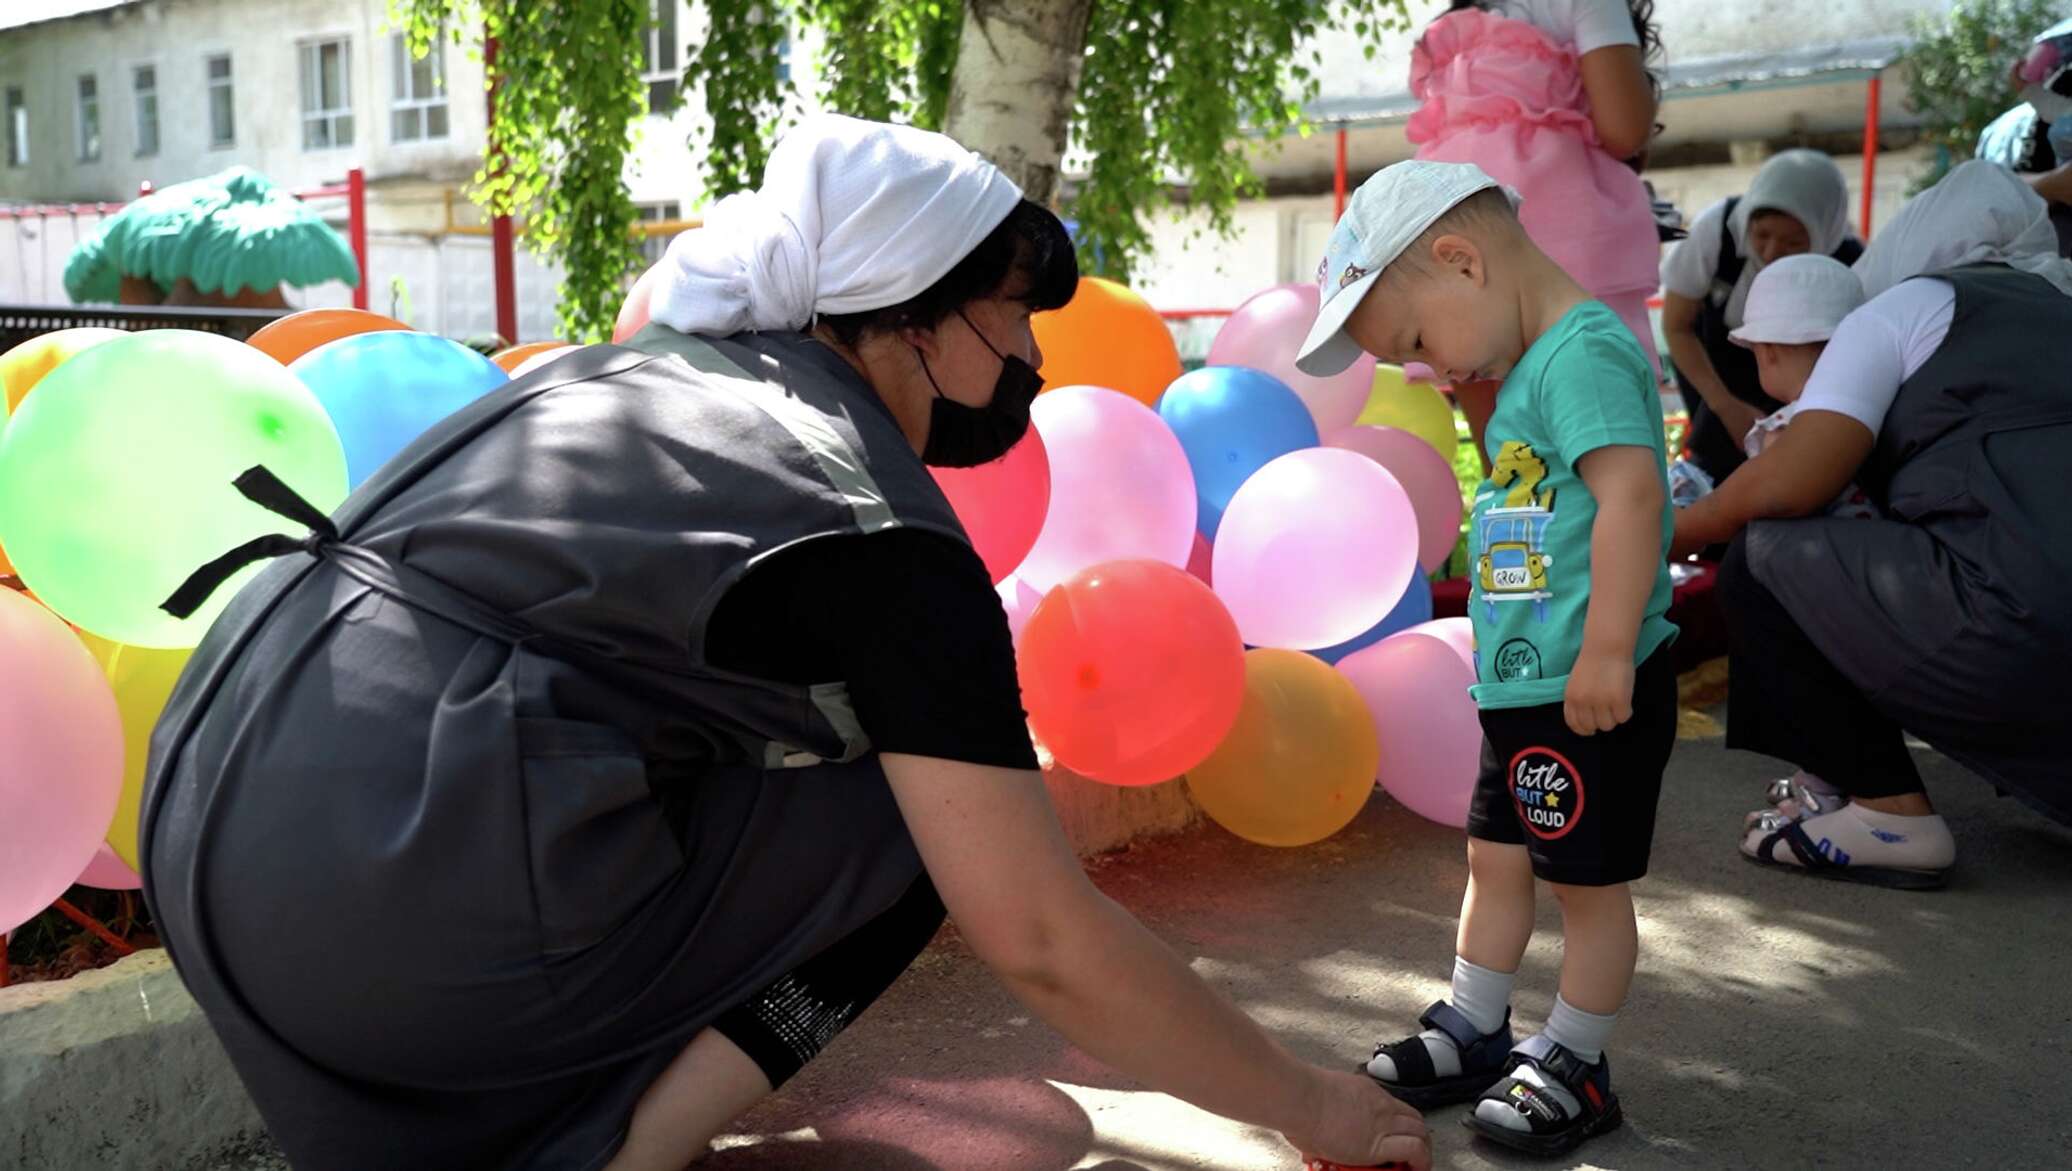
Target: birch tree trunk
[1011,95]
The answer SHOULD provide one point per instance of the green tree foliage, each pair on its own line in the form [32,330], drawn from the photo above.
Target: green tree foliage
[1165,88]
[1959,71]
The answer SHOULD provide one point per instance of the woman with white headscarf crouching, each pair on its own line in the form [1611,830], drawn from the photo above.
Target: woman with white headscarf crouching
[621,740]
[1797,204]
[1946,398]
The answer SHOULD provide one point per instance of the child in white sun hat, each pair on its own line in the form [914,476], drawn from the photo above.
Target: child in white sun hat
[1794,306]
[1571,591]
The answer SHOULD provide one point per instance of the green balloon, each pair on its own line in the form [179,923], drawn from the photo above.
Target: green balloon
[116,476]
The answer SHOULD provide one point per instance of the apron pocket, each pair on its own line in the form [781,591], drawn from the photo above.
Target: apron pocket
[597,842]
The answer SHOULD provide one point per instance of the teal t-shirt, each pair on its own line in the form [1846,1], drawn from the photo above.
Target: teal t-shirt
[1583,385]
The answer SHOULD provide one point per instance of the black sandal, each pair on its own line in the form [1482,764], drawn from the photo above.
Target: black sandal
[1812,861]
[1554,1131]
[1482,1061]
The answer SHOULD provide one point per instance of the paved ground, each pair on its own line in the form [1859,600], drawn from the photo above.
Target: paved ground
[1776,1022]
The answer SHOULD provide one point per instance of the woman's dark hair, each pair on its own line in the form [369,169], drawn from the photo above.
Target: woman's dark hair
[1644,27]
[1029,252]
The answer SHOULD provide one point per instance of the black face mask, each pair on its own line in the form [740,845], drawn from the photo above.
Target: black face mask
[961,436]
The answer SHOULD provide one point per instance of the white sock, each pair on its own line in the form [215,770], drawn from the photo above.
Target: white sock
[1856,836]
[1479,994]
[1581,1033]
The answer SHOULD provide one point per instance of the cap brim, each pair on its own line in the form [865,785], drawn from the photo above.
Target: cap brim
[1327,350]
[1791,333]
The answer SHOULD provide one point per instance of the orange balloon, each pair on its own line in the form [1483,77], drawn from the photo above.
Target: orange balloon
[510,359]
[1300,761]
[22,367]
[1107,336]
[299,333]
[1132,672]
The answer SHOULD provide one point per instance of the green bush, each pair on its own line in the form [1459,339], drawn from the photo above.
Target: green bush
[1959,71]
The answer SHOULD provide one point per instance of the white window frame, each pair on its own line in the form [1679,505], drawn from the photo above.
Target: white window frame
[89,144]
[403,98]
[137,99]
[309,57]
[14,106]
[210,85]
[665,51]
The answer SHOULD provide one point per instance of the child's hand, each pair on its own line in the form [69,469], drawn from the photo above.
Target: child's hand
[1600,692]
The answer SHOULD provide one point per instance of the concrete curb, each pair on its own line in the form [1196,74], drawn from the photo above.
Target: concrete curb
[117,1070]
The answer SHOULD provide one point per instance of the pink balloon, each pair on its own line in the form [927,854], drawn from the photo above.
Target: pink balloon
[1198,560]
[541,359]
[1458,633]
[1020,600]
[1424,474]
[1314,549]
[1120,487]
[633,312]
[1265,333]
[60,758]
[1002,503]
[1419,372]
[1416,687]
[109,872]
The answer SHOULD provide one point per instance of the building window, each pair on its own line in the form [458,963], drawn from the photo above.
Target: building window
[327,94]
[653,246]
[418,111]
[784,59]
[660,69]
[222,102]
[89,118]
[17,128]
[144,87]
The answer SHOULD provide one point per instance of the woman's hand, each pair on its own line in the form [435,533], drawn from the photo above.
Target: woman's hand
[1360,1125]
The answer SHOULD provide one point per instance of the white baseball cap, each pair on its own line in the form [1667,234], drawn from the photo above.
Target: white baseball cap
[1797,300]
[1386,215]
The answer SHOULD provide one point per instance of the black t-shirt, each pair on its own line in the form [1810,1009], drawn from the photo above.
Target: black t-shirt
[908,619]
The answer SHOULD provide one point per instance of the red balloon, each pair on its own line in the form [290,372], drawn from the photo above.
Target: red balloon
[1002,504]
[633,313]
[1132,672]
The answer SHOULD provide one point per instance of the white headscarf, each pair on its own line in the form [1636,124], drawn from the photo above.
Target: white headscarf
[1807,185]
[1981,212]
[851,216]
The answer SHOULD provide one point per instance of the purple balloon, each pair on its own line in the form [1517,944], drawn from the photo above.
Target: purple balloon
[1314,549]
[1120,487]
[1265,333]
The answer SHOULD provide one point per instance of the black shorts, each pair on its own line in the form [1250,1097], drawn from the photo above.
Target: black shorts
[1582,806]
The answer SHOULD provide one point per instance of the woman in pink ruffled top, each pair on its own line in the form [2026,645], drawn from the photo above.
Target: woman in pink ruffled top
[1553,98]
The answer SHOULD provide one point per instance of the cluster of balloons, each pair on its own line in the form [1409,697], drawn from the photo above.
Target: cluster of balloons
[1221,574]
[117,456]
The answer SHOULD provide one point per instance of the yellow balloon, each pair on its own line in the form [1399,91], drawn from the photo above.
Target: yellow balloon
[143,680]
[1416,407]
[1300,761]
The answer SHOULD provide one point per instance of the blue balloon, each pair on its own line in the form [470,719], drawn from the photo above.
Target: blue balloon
[383,390]
[1414,607]
[1232,421]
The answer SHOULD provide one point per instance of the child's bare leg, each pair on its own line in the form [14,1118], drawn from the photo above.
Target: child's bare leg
[1600,945]
[1495,926]
[1496,913]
